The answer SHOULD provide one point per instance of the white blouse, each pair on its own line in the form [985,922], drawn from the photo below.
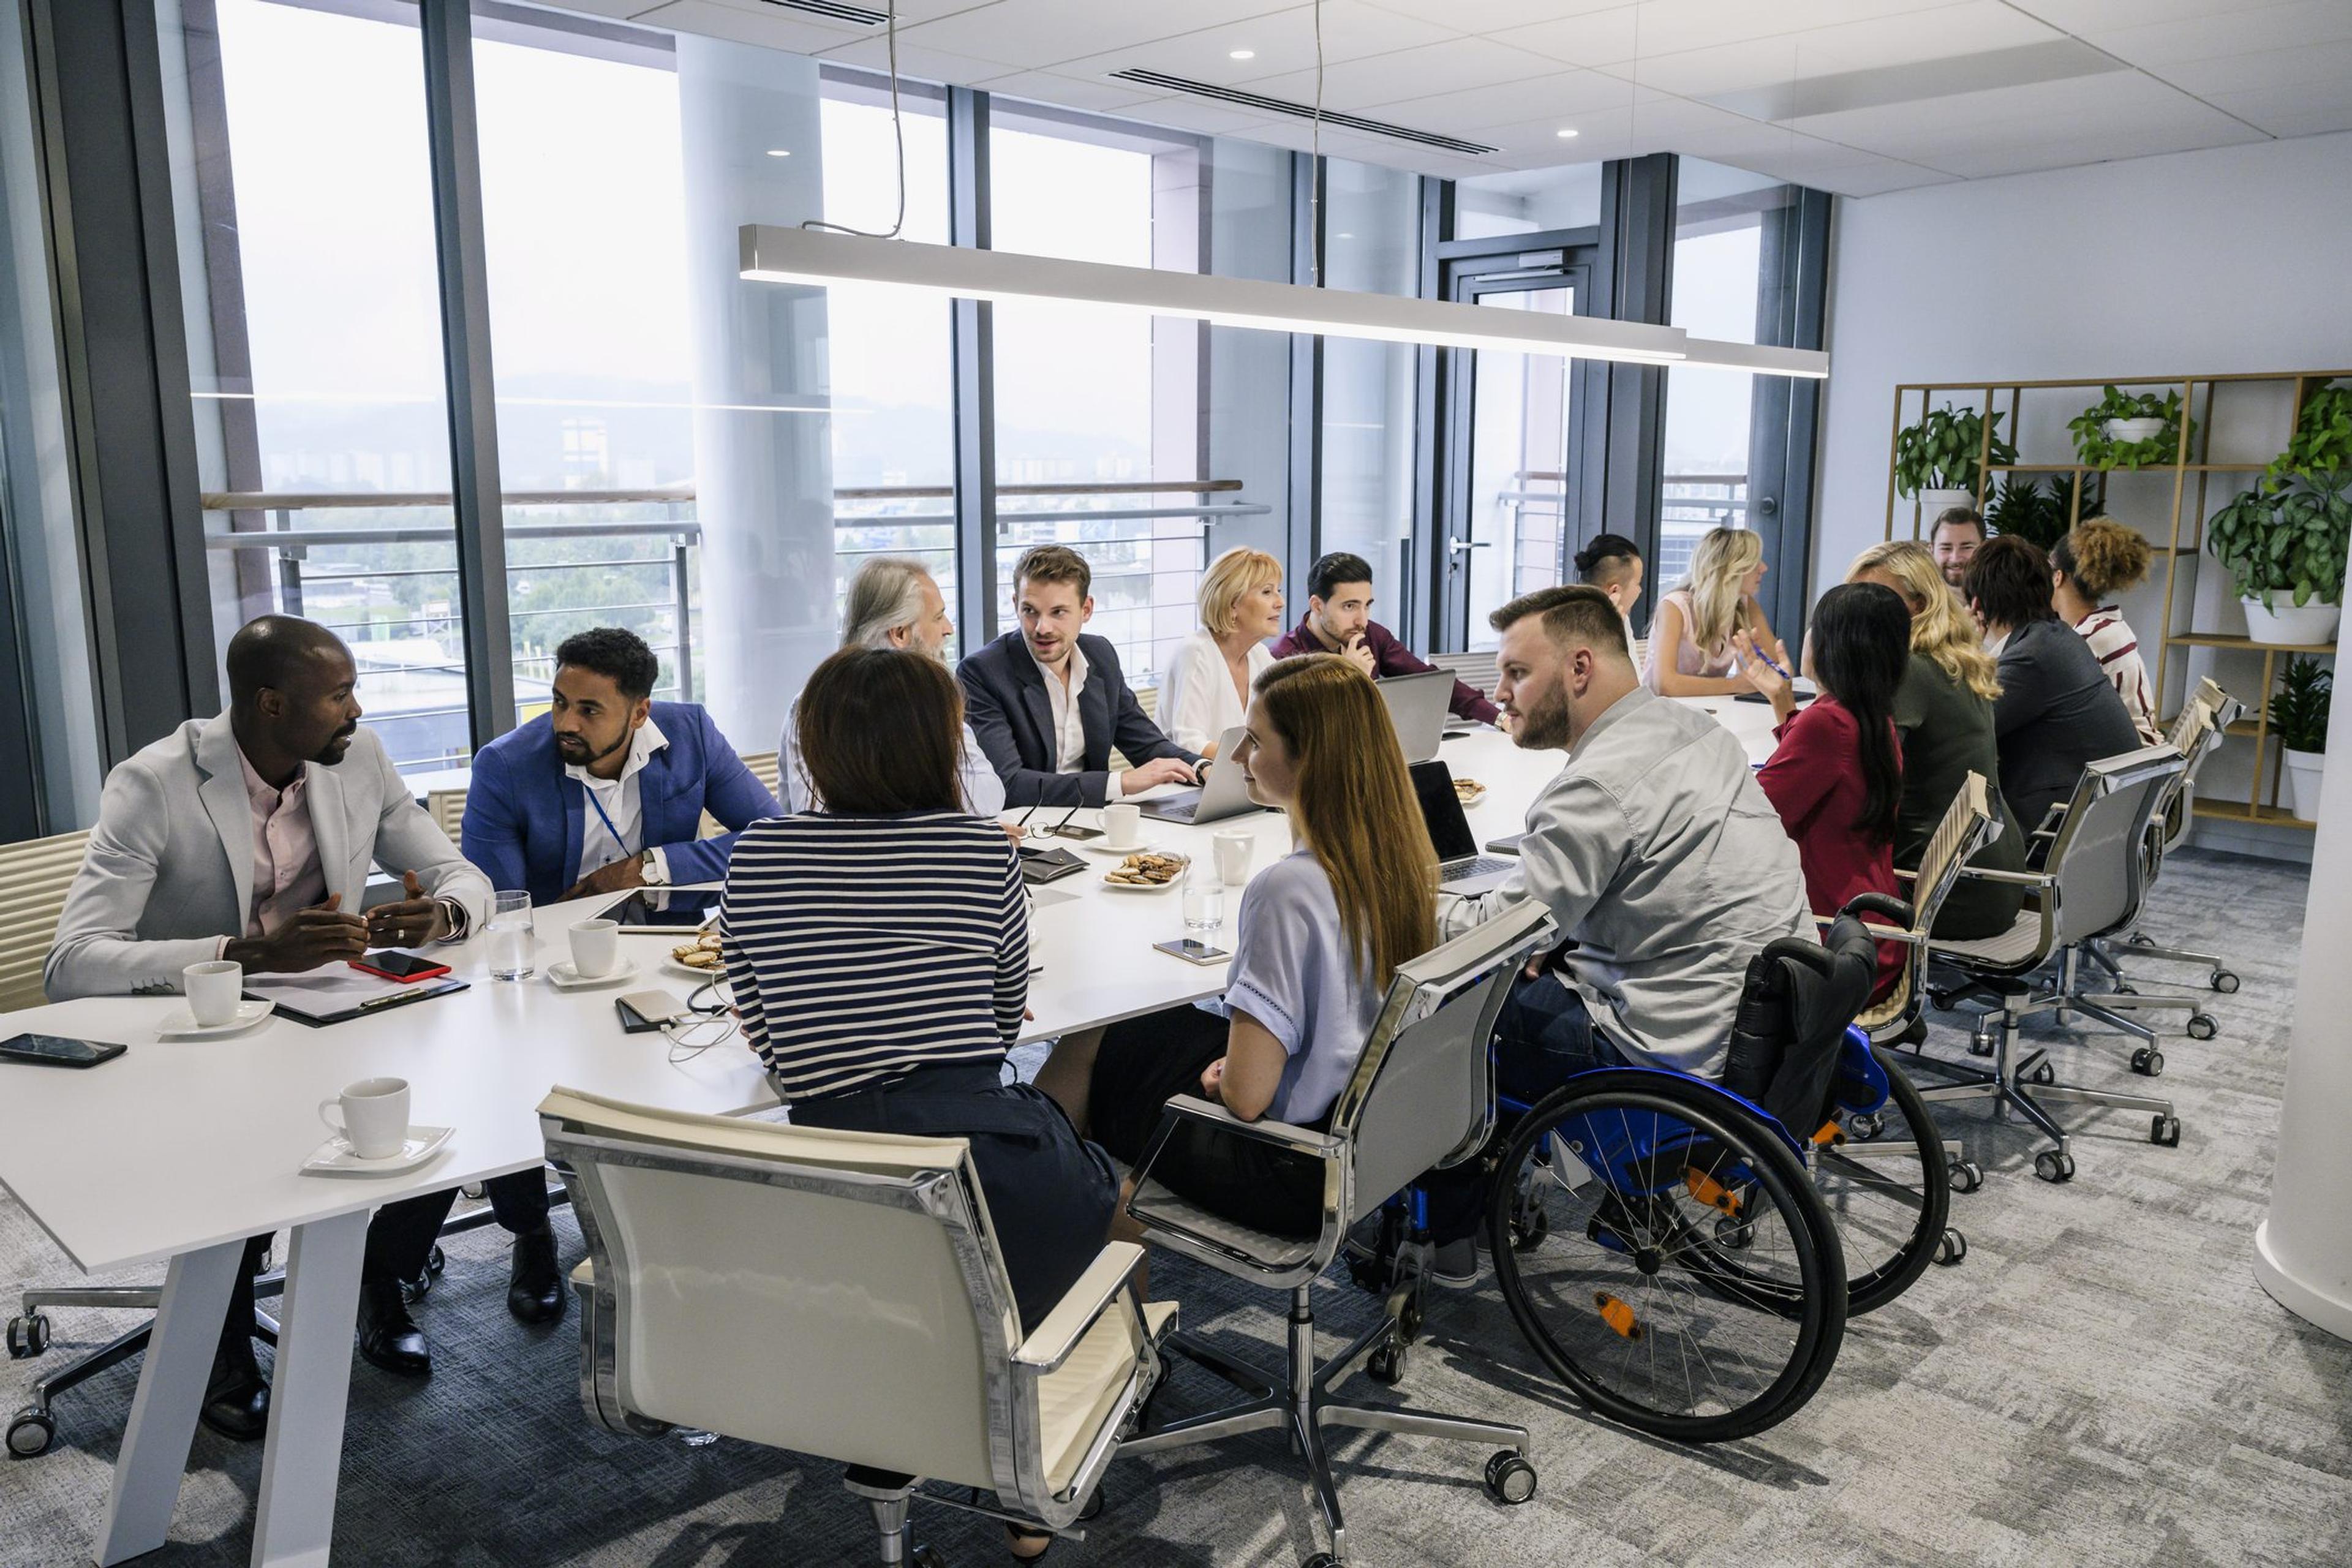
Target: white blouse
[1197,700]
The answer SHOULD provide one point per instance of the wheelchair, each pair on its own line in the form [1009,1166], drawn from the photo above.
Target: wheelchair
[1673,1251]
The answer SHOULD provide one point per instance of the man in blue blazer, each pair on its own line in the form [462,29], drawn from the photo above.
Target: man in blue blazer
[601,794]
[1048,702]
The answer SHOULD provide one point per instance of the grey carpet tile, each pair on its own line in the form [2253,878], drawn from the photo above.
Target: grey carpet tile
[2101,1382]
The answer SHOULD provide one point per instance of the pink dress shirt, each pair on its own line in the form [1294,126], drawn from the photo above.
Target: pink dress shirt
[286,876]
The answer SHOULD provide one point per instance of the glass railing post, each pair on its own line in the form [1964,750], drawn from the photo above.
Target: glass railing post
[290,563]
[681,587]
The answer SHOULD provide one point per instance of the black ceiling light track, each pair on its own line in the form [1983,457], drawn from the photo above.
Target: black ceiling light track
[834,9]
[1258,100]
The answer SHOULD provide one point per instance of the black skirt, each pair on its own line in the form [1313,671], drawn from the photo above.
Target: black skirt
[1145,1060]
[1050,1192]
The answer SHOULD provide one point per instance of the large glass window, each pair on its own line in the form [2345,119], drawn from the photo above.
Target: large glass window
[1371,225]
[1094,406]
[305,203]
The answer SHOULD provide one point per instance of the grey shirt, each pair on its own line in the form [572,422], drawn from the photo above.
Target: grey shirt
[1662,861]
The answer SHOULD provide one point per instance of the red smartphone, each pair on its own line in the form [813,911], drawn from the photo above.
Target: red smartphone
[394,964]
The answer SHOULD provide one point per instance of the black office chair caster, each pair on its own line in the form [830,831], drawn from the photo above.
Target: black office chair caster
[1979,1045]
[2224,980]
[1951,1248]
[2054,1165]
[27,1336]
[2148,1062]
[2126,988]
[1386,1366]
[2164,1131]
[2201,1027]
[30,1432]
[1967,1175]
[1510,1478]
[1093,1509]
[1322,1560]
[2042,1073]
[927,1557]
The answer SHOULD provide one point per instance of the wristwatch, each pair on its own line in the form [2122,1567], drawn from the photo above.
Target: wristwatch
[651,871]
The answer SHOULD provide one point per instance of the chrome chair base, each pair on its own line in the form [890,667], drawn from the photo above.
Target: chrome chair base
[1300,1403]
[32,1427]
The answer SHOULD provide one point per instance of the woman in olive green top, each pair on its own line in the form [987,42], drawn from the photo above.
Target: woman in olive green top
[1943,713]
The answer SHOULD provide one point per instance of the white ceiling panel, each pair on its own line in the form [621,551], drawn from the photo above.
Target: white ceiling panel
[1099,94]
[2273,27]
[2272,67]
[1558,93]
[2034,155]
[1495,16]
[1975,26]
[770,27]
[619,10]
[1669,26]
[1044,32]
[1962,119]
[872,51]
[2087,16]
[1281,42]
[1204,115]
[1451,65]
[1588,38]
[2304,109]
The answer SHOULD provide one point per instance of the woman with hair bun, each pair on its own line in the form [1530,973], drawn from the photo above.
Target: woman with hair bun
[2099,561]
[1613,564]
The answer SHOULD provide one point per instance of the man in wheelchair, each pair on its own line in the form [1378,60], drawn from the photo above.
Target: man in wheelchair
[1660,858]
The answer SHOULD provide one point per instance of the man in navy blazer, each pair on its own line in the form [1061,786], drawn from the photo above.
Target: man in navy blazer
[602,793]
[1048,702]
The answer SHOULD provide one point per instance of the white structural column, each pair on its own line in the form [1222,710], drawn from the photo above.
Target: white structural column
[764,460]
[2303,1252]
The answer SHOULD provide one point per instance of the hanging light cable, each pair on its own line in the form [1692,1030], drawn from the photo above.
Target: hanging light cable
[897,137]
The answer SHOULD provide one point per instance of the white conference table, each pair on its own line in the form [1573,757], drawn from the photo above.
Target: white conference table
[177,1150]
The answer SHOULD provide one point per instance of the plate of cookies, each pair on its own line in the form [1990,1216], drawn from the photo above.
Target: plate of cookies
[699,958]
[1149,871]
[1470,792]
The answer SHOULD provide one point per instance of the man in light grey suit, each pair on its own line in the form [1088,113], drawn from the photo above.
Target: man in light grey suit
[249,836]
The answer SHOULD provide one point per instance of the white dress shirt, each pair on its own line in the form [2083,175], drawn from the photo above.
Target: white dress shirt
[1069,723]
[1198,702]
[620,797]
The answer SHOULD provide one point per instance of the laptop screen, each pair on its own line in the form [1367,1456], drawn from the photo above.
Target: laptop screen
[1440,809]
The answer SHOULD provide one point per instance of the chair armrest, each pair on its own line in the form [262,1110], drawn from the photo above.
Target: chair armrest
[2015,879]
[1081,1306]
[1883,933]
[1193,1106]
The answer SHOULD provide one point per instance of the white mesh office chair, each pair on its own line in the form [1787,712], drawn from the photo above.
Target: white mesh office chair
[2088,887]
[1422,1095]
[840,1294]
[2203,723]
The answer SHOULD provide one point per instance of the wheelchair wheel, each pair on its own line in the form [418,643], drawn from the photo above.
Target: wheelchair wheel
[1640,1300]
[1891,1201]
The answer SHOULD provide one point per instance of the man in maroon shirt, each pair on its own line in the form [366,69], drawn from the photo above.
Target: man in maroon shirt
[1339,619]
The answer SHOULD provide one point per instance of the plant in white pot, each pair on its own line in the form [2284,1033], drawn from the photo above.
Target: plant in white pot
[2285,551]
[2299,719]
[1941,459]
[2124,431]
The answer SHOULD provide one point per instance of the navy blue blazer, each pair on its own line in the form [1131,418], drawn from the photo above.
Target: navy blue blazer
[524,814]
[1012,718]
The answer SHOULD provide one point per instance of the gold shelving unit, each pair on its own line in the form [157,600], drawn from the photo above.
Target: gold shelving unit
[2182,553]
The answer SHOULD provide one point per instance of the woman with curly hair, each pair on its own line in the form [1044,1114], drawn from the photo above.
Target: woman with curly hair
[1944,720]
[2100,560]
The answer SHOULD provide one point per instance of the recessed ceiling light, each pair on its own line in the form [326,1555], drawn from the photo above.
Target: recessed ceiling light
[779,152]
[1344,236]
[1565,133]
[1242,55]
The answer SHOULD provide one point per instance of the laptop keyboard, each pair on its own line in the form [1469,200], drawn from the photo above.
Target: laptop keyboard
[1477,866]
[1183,811]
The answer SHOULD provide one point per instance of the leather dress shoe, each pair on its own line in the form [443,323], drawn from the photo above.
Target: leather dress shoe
[237,1400]
[535,1290]
[389,1338]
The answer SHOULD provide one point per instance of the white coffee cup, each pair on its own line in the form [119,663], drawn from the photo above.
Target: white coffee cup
[374,1116]
[1122,826]
[596,948]
[1234,845]
[214,987]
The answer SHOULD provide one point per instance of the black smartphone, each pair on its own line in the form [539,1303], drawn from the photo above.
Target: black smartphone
[57,1051]
[1192,951]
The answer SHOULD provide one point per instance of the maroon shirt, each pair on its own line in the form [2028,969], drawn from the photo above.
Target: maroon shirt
[1814,781]
[1390,657]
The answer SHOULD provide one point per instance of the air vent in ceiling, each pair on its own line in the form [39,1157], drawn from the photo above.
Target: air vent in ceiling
[838,12]
[1234,95]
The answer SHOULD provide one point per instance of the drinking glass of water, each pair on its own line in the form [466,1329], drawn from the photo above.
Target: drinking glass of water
[511,937]
[1205,897]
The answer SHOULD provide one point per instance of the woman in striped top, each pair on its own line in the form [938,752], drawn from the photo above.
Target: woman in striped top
[2088,569]
[879,955]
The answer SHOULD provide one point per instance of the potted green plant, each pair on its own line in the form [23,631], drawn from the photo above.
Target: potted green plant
[2124,430]
[2320,453]
[1939,460]
[2286,554]
[2029,511]
[2299,719]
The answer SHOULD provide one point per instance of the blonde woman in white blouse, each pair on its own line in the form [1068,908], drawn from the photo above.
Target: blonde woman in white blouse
[1205,689]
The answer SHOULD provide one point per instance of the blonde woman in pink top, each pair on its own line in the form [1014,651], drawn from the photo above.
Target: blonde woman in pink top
[1690,652]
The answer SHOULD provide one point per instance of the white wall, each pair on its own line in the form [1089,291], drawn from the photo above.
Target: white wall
[2234,260]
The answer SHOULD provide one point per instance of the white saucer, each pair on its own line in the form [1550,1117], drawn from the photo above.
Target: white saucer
[563,977]
[334,1157]
[1096,847]
[181,1025]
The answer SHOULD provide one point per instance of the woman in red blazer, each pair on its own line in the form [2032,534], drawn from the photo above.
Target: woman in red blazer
[1837,775]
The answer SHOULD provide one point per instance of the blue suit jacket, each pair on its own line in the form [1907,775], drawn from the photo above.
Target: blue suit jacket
[1005,703]
[524,814]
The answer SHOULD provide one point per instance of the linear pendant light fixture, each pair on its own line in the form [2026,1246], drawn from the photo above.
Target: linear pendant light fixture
[780,255]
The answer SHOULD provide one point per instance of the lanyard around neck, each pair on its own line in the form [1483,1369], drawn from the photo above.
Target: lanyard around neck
[590,790]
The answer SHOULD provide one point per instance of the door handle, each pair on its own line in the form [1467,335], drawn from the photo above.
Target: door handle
[1457,546]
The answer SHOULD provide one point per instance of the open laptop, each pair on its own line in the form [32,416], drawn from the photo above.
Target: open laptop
[1417,705]
[1460,868]
[1225,794]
